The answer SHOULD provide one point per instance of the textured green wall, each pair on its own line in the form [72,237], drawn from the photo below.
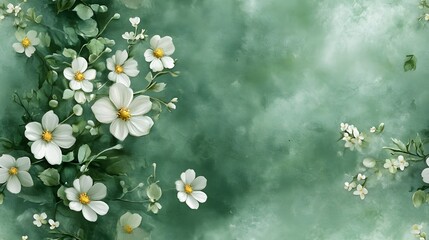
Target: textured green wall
[263,89]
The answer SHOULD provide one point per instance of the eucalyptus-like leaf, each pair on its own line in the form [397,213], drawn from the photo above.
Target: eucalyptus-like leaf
[418,198]
[87,28]
[399,144]
[68,157]
[52,76]
[84,12]
[149,77]
[95,47]
[159,87]
[83,153]
[50,177]
[63,5]
[69,53]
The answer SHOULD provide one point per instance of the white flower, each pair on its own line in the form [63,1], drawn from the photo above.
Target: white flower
[189,189]
[15,173]
[129,36]
[13,9]
[85,197]
[122,68]
[349,186]
[344,126]
[427,16]
[135,21]
[154,207]
[171,105]
[361,191]
[402,163]
[351,136]
[361,177]
[159,55]
[416,229]
[54,224]
[26,42]
[1,17]
[373,129]
[141,35]
[91,127]
[79,76]
[39,219]
[24,237]
[392,165]
[124,113]
[49,137]
[129,222]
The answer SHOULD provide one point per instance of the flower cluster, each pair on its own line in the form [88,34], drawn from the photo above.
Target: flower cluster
[351,136]
[394,164]
[40,219]
[358,183]
[416,230]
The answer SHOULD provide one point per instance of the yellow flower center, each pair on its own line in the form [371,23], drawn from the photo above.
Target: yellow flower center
[124,114]
[13,171]
[84,198]
[26,42]
[119,69]
[128,229]
[158,53]
[79,76]
[47,136]
[188,189]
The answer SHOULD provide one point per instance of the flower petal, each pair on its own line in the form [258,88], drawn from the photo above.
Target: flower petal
[189,176]
[192,202]
[97,192]
[154,41]
[119,129]
[85,183]
[29,51]
[79,64]
[76,185]
[112,76]
[4,175]
[18,47]
[156,65]
[140,105]
[53,154]
[120,95]
[133,220]
[23,163]
[148,55]
[123,78]
[182,196]
[199,196]
[101,208]
[110,63]
[25,179]
[139,125]
[87,86]
[89,214]
[76,206]
[121,57]
[38,149]
[50,121]
[75,85]
[63,136]
[7,161]
[199,183]
[68,73]
[130,67]
[90,74]
[166,44]
[104,110]
[72,194]
[180,186]
[168,62]
[33,131]
[13,184]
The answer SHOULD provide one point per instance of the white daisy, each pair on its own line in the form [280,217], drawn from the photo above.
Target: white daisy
[49,137]
[159,55]
[124,113]
[39,219]
[79,75]
[360,191]
[135,21]
[129,222]
[122,68]
[85,196]
[26,42]
[54,224]
[189,189]
[15,173]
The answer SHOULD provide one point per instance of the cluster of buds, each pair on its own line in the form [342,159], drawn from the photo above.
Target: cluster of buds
[351,135]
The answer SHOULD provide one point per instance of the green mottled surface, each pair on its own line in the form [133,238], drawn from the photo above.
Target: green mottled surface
[263,89]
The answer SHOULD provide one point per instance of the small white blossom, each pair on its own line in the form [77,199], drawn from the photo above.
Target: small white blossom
[402,163]
[189,189]
[1,17]
[349,186]
[361,177]
[26,42]
[373,129]
[85,196]
[15,173]
[159,54]
[129,222]
[79,75]
[344,126]
[13,9]
[24,237]
[135,21]
[39,219]
[360,191]
[352,137]
[54,224]
[171,105]
[392,165]
[129,36]
[141,35]
[122,68]
[416,229]
[91,127]
[427,16]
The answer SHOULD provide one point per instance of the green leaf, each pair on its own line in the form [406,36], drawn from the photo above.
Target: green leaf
[61,193]
[38,19]
[149,77]
[69,157]
[410,63]
[50,177]
[87,28]
[154,192]
[83,153]
[71,35]
[107,42]
[83,11]
[45,39]
[52,76]
[400,144]
[419,197]
[159,87]
[63,5]
[69,53]
[95,47]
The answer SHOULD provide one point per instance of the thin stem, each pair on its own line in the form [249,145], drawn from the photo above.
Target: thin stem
[71,115]
[130,201]
[105,26]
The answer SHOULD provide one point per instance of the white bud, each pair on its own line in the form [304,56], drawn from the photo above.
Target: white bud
[174,100]
[53,103]
[116,16]
[122,183]
[77,110]
[141,184]
[369,162]
[171,105]
[108,50]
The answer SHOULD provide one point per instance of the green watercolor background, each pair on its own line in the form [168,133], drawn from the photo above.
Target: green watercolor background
[264,86]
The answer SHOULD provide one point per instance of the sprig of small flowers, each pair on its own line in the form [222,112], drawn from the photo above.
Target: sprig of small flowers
[417,232]
[358,182]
